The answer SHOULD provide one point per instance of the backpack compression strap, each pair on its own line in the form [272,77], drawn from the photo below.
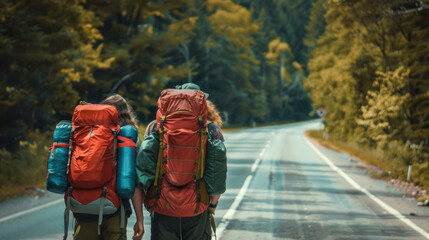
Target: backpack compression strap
[200,172]
[67,210]
[212,221]
[115,143]
[51,153]
[58,145]
[161,148]
[126,142]
[70,152]
[158,173]
[202,131]
[100,214]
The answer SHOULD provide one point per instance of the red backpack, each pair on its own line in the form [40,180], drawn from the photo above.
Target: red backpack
[178,189]
[92,161]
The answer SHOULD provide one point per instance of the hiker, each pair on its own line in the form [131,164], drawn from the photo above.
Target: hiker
[170,219]
[86,225]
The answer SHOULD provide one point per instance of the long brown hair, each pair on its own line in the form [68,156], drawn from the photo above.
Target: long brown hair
[213,115]
[126,112]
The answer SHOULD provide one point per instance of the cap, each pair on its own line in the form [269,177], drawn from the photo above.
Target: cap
[192,86]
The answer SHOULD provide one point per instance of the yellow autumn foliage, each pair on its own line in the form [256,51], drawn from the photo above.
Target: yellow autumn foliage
[70,75]
[384,113]
[233,21]
[297,66]
[276,48]
[369,75]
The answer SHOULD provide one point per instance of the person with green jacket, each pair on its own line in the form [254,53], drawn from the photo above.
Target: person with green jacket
[167,227]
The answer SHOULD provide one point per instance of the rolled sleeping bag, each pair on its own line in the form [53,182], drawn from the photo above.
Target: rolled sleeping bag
[126,171]
[56,174]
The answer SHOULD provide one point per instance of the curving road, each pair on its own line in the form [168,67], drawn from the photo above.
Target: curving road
[280,186]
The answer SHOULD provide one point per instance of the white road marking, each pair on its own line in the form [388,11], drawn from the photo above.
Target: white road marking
[256,164]
[19,214]
[231,211]
[386,207]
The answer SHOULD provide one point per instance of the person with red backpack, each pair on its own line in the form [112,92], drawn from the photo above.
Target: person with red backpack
[110,226]
[181,167]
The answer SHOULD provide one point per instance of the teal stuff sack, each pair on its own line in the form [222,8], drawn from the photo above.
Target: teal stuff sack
[126,171]
[56,178]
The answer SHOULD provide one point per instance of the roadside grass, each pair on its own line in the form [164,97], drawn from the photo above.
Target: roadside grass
[231,128]
[368,156]
[378,164]
[26,168]
[20,190]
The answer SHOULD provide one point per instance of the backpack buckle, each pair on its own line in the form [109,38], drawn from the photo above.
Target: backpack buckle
[103,193]
[200,120]
[198,197]
[161,124]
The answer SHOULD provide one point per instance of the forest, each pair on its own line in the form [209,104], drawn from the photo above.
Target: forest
[262,62]
[370,70]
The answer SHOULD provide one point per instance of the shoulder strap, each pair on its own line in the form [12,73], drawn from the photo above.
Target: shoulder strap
[161,148]
[202,131]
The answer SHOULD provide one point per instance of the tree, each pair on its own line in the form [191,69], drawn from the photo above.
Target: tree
[145,38]
[315,27]
[383,116]
[48,52]
[279,54]
[284,20]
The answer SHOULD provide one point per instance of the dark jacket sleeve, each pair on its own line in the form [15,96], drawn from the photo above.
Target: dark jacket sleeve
[146,161]
[150,128]
[216,162]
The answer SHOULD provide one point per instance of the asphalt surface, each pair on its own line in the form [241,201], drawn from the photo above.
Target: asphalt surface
[280,185]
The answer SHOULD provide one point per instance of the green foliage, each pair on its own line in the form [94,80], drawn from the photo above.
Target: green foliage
[370,71]
[28,165]
[54,53]
[315,28]
[281,22]
[383,117]
[48,53]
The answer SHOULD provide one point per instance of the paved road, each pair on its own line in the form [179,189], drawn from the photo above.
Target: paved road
[280,186]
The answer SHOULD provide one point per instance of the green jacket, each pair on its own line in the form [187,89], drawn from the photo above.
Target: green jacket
[216,162]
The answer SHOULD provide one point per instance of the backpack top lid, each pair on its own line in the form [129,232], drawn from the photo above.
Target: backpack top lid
[189,100]
[95,114]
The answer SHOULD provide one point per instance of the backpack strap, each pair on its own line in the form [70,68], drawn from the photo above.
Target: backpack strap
[47,161]
[202,131]
[67,213]
[58,145]
[115,143]
[200,172]
[122,215]
[158,173]
[70,151]
[212,221]
[126,142]
[197,190]
[100,214]
[161,148]
[202,195]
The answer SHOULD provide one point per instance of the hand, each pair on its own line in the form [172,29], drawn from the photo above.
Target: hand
[138,230]
[212,210]
[150,210]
